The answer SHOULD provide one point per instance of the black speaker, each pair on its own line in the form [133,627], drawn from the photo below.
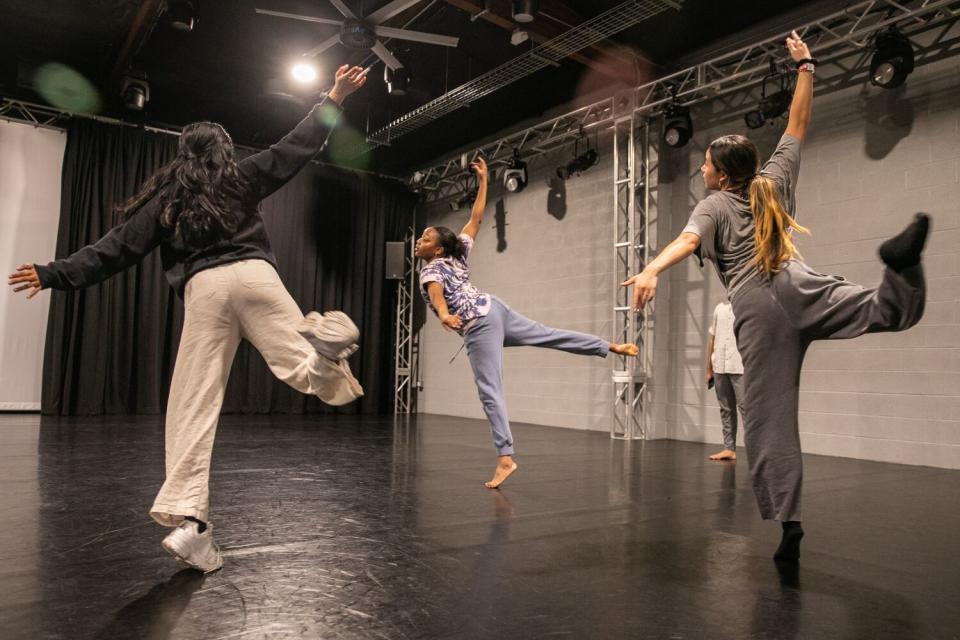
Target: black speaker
[395,257]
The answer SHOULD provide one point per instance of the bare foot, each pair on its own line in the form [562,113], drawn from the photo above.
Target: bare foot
[726,454]
[628,349]
[505,467]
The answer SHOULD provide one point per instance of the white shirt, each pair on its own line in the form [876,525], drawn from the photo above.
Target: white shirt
[725,358]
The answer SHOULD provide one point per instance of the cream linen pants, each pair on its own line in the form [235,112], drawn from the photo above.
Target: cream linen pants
[222,306]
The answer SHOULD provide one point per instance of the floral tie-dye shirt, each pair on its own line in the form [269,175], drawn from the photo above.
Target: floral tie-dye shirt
[463,299]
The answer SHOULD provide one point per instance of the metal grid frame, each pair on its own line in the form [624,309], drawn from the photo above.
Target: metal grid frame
[601,27]
[405,354]
[635,157]
[841,41]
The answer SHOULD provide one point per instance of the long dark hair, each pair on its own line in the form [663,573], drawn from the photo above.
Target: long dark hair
[737,157]
[198,189]
[450,242]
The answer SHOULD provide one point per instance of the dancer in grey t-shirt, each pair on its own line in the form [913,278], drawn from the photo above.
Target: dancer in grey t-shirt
[782,305]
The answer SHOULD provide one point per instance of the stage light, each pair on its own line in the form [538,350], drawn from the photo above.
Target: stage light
[135,91]
[892,59]
[397,80]
[304,72]
[524,10]
[773,105]
[182,14]
[515,175]
[677,125]
[579,164]
[518,36]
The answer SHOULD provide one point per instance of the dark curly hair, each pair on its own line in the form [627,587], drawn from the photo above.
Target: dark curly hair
[450,242]
[199,189]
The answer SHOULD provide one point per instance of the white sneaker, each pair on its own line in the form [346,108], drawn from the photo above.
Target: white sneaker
[333,334]
[191,547]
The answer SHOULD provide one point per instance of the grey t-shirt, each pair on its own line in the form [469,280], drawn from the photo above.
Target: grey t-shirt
[724,222]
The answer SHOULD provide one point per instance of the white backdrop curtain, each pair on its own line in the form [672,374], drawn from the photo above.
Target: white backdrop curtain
[31,159]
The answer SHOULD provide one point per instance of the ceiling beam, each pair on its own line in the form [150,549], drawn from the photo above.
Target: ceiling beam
[140,29]
[556,19]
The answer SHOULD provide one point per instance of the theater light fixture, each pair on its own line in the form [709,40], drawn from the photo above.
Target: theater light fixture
[774,104]
[182,15]
[892,59]
[515,175]
[135,91]
[304,73]
[397,80]
[677,125]
[524,10]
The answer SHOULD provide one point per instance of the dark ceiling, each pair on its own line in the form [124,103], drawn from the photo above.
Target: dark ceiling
[221,69]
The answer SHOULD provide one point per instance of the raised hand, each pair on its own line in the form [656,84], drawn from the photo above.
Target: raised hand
[347,80]
[479,167]
[797,47]
[25,278]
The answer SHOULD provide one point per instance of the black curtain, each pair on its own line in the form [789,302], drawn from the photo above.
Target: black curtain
[110,349]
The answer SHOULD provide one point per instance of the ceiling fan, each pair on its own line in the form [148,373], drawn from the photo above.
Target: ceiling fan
[363,33]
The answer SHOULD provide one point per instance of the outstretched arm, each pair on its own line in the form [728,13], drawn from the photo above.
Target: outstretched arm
[802,104]
[272,168]
[435,290]
[472,227]
[123,246]
[645,282]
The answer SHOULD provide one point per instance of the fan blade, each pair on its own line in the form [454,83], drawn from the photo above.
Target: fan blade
[389,10]
[342,8]
[385,55]
[294,16]
[416,36]
[323,46]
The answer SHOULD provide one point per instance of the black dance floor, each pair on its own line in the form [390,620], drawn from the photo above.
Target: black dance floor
[357,528]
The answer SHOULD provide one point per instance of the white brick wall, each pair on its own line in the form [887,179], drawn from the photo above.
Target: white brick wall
[872,158]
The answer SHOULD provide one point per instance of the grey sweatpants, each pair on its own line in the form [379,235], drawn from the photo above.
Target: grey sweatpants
[776,320]
[729,388]
[504,327]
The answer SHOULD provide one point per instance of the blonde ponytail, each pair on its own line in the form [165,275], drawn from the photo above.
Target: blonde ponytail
[771,224]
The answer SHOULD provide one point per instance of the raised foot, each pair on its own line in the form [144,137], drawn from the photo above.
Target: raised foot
[500,474]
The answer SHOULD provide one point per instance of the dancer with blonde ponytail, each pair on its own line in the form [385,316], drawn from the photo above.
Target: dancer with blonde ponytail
[781,305]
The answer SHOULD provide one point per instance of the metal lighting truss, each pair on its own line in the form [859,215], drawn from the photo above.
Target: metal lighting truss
[841,41]
[549,53]
[404,357]
[634,192]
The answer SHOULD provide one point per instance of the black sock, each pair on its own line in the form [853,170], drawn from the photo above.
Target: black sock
[201,525]
[903,250]
[789,548]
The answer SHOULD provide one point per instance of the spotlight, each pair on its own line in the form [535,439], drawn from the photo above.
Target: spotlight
[518,36]
[182,14]
[579,164]
[135,91]
[524,10]
[892,59]
[304,73]
[515,175]
[397,80]
[677,125]
[773,105]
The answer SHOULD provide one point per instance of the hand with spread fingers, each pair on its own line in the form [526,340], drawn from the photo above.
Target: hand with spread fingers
[25,278]
[348,80]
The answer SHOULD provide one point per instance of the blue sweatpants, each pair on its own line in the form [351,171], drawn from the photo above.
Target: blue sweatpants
[504,327]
